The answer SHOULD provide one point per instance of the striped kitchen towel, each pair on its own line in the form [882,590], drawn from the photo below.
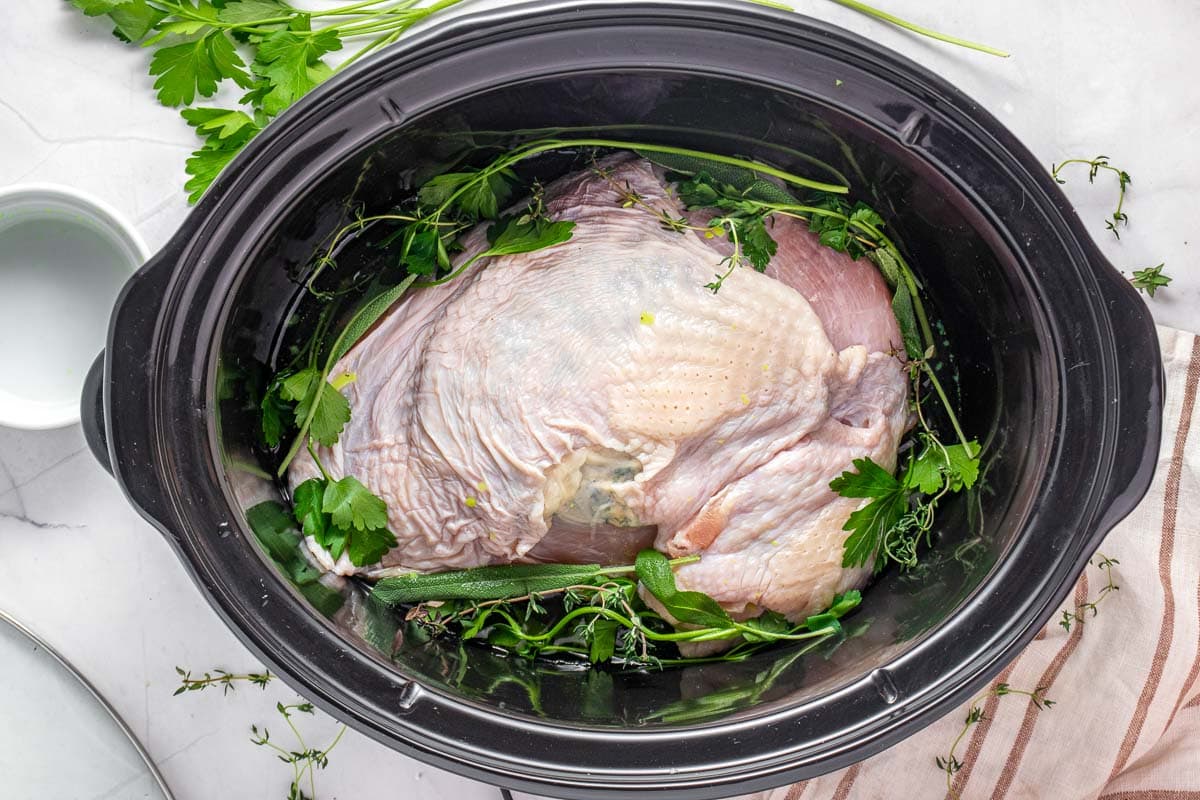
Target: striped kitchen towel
[1125,724]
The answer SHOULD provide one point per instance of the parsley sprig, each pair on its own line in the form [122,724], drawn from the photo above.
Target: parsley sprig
[898,520]
[276,53]
[273,52]
[344,516]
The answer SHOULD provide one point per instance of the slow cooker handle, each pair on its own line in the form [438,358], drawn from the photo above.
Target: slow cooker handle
[1140,382]
[91,413]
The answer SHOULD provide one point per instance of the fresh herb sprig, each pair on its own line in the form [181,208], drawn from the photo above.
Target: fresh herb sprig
[320,411]
[276,53]
[272,51]
[898,520]
[219,677]
[343,516]
[499,582]
[1078,614]
[305,761]
[1150,279]
[602,613]
[1147,280]
[1094,165]
[949,763]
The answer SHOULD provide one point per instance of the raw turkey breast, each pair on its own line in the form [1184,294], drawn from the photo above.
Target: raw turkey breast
[584,401]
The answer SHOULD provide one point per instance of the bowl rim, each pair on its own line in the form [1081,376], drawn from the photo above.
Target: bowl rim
[116,227]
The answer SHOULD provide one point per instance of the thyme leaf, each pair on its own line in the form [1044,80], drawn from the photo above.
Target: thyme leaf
[1150,279]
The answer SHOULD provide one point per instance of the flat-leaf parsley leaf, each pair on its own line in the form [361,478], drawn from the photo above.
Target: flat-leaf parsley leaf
[869,524]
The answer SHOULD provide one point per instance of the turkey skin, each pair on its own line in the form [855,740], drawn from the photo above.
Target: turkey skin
[581,402]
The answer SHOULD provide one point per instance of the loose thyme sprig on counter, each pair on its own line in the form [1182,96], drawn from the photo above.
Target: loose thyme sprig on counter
[1094,166]
[1146,280]
[305,761]
[219,677]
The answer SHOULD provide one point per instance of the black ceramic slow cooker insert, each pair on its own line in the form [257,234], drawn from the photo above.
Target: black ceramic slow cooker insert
[1056,357]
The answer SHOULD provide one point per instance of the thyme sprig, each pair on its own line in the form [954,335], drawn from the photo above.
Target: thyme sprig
[1150,279]
[1147,280]
[949,763]
[221,678]
[305,760]
[1077,614]
[1094,166]
[732,225]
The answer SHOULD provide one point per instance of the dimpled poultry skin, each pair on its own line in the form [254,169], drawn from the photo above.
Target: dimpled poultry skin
[583,401]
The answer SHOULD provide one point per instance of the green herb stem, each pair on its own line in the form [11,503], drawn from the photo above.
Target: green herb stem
[1079,613]
[937,385]
[1094,166]
[459,270]
[342,11]
[732,161]
[892,19]
[628,569]
[500,583]
[316,460]
[557,132]
[706,634]
[949,764]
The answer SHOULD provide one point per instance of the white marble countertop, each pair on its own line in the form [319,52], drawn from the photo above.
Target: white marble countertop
[81,568]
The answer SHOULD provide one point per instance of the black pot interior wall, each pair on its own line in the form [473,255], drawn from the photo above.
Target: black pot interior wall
[995,369]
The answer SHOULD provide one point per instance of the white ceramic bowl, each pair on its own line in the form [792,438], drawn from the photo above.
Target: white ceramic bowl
[63,259]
